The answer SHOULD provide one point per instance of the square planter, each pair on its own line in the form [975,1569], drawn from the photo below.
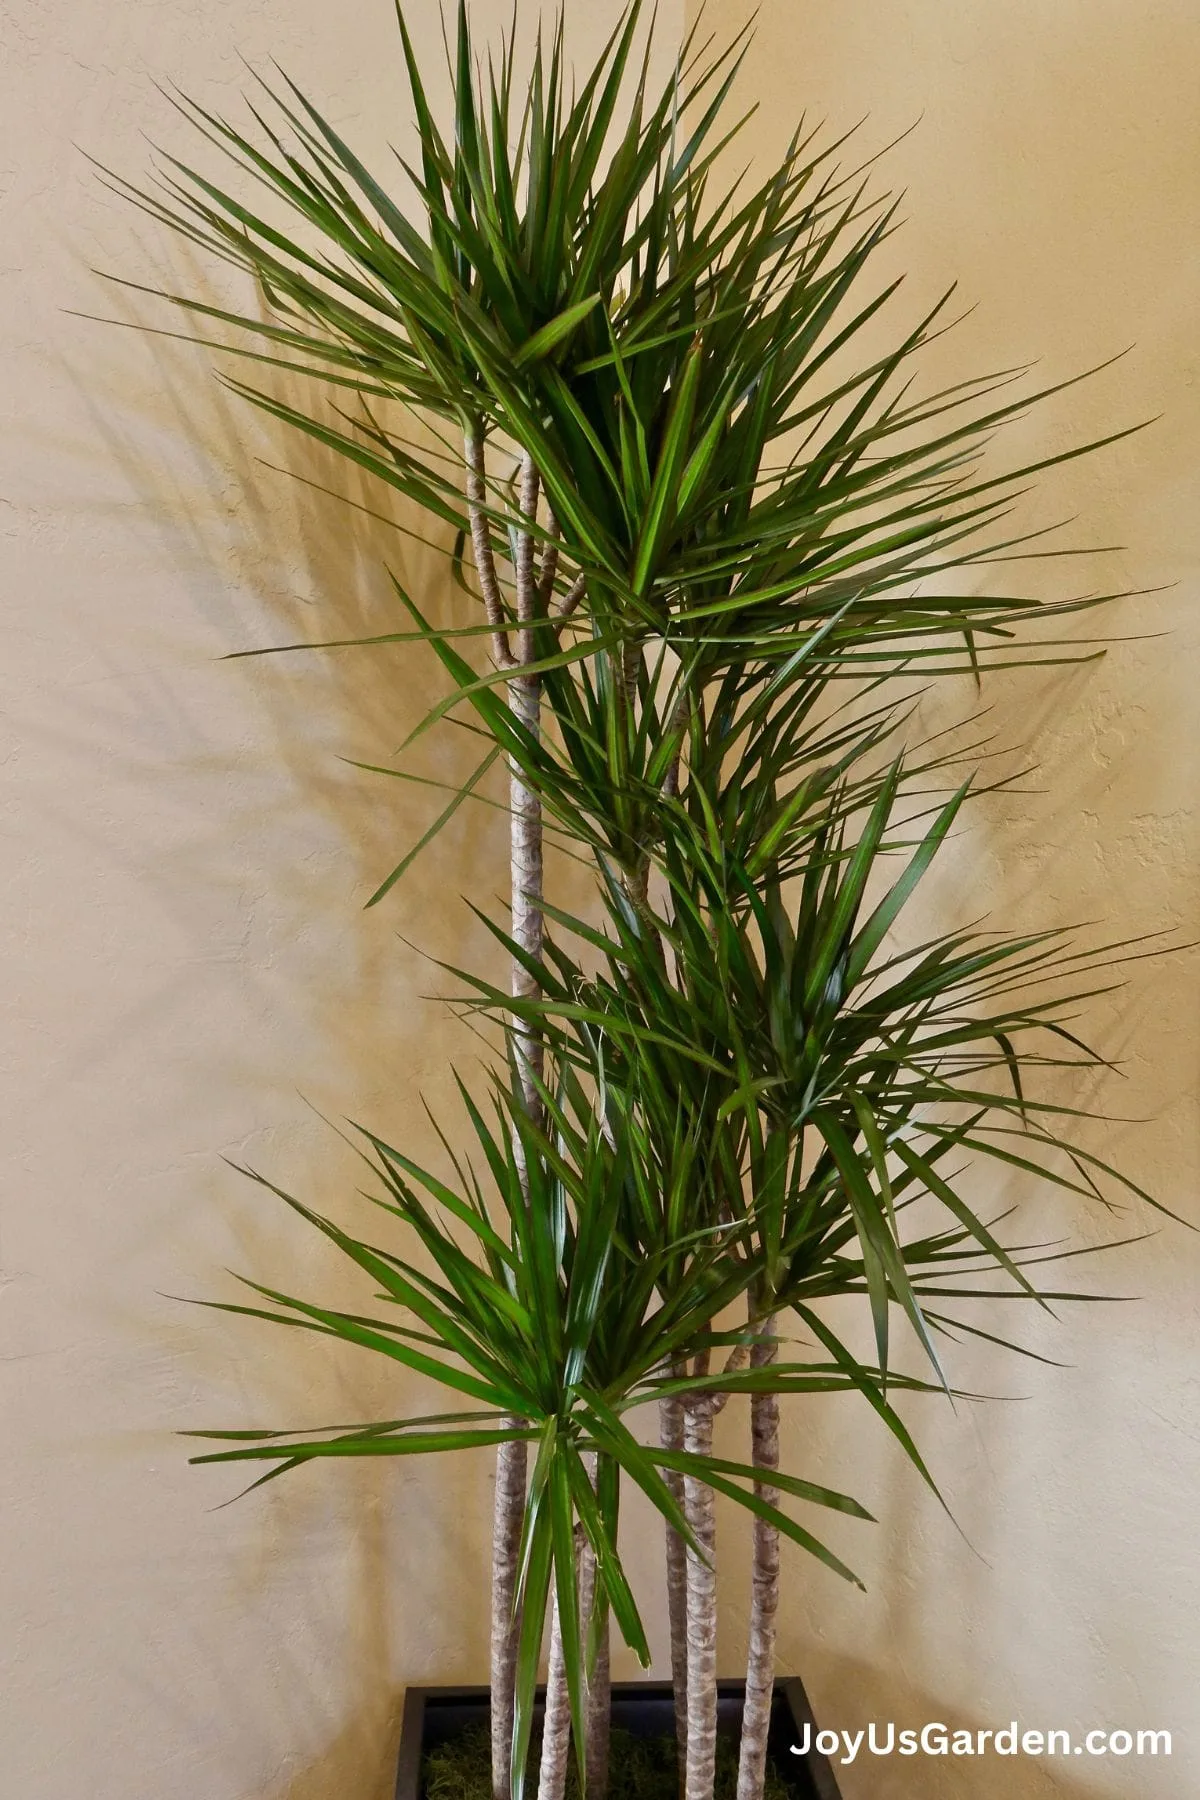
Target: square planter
[434,1715]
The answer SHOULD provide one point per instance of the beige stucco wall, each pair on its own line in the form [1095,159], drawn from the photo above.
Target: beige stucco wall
[1053,172]
[184,961]
[185,966]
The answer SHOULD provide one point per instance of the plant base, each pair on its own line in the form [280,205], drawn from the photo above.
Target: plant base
[435,1718]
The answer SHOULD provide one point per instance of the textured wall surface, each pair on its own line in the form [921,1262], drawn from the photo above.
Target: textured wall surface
[185,963]
[1052,172]
[185,966]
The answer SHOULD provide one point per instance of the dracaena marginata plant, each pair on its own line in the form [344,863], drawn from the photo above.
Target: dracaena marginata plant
[704,532]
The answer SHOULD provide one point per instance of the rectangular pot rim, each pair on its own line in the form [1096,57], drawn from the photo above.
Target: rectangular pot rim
[419,1696]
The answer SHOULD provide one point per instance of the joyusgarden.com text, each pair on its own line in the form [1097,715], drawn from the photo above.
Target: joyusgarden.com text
[937,1739]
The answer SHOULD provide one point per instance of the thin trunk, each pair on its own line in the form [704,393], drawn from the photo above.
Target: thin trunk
[506,1543]
[599,1691]
[525,701]
[481,543]
[676,725]
[670,1425]
[571,599]
[625,671]
[700,1511]
[556,1731]
[556,1719]
[760,1664]
[599,1715]
[526,873]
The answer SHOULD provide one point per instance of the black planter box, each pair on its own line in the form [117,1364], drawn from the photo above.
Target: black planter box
[433,1715]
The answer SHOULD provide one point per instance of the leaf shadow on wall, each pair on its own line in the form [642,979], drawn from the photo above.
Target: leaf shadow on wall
[302,840]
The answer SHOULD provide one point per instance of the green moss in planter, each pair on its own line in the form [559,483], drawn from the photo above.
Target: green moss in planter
[641,1768]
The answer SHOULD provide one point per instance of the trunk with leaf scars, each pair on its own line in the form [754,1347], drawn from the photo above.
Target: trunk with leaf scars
[670,1415]
[556,1731]
[526,810]
[506,1535]
[556,1723]
[760,1663]
[525,700]
[700,1512]
[599,1710]
[525,815]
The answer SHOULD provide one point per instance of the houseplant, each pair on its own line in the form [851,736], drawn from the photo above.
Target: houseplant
[724,1087]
